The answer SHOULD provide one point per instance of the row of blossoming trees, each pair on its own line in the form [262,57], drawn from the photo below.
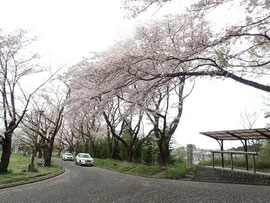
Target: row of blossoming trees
[136,89]
[138,84]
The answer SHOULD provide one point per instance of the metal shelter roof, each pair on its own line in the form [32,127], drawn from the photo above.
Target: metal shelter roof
[245,134]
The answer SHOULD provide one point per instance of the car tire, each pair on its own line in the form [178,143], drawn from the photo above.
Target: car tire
[80,163]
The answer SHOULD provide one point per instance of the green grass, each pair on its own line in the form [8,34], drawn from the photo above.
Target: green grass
[18,172]
[176,172]
[157,171]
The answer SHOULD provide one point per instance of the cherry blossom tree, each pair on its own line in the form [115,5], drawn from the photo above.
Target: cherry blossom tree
[239,50]
[89,128]
[111,115]
[15,64]
[51,102]
[124,74]
[69,137]
[129,129]
[134,7]
[160,113]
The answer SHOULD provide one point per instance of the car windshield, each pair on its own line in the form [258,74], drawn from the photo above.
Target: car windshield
[86,156]
[69,154]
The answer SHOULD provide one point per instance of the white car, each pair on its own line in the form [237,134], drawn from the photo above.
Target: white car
[67,156]
[84,159]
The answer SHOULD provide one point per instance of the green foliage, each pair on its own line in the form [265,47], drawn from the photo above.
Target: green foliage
[175,173]
[24,148]
[101,147]
[147,151]
[79,148]
[137,156]
[34,170]
[264,156]
[140,169]
[122,153]
[179,155]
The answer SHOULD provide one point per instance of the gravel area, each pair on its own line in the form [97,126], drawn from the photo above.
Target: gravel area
[92,184]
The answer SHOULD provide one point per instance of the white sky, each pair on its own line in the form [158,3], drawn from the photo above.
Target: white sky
[68,30]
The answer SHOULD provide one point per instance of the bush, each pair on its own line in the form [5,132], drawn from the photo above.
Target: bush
[143,169]
[34,170]
[176,173]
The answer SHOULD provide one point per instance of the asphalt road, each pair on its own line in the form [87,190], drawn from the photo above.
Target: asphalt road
[92,184]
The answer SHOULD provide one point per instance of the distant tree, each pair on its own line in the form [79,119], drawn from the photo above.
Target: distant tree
[48,124]
[69,137]
[128,133]
[248,119]
[179,154]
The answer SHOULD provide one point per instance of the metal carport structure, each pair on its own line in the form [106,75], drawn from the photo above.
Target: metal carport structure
[243,135]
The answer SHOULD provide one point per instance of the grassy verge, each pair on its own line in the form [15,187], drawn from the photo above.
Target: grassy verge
[18,172]
[171,172]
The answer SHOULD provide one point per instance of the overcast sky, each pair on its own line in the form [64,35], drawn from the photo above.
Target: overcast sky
[69,30]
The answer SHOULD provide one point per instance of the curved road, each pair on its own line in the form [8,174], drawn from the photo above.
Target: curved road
[92,184]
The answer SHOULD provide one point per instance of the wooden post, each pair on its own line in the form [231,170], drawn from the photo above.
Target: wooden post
[203,159]
[232,161]
[213,160]
[254,163]
[222,155]
[246,156]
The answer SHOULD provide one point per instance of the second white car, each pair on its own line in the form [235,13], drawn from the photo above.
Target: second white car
[84,159]
[67,156]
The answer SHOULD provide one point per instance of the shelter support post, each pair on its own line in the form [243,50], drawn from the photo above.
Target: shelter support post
[213,159]
[253,154]
[232,161]
[254,163]
[222,155]
[246,156]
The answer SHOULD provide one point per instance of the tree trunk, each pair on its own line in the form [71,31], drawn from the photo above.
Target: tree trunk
[129,155]
[110,144]
[71,149]
[86,146]
[50,152]
[6,152]
[110,151]
[114,148]
[59,151]
[39,152]
[48,148]
[93,151]
[164,152]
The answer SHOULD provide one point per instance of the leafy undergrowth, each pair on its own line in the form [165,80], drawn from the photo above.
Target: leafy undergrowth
[18,172]
[156,171]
